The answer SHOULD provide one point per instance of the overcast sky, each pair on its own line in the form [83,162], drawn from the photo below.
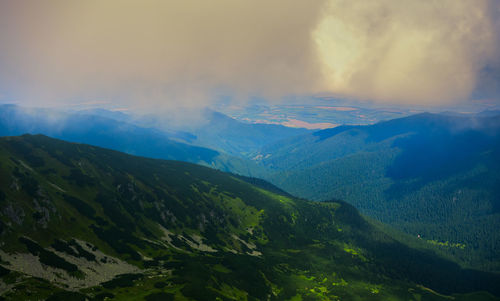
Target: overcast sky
[153,53]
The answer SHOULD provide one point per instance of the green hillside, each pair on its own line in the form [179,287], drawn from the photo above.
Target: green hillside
[80,222]
[431,175]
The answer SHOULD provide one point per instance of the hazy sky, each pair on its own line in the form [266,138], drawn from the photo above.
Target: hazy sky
[160,52]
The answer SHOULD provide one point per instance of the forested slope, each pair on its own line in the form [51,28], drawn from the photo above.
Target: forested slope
[432,175]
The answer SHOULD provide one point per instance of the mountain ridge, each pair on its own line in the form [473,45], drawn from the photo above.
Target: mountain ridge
[175,229]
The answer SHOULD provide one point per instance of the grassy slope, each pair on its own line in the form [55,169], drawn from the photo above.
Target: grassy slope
[268,246]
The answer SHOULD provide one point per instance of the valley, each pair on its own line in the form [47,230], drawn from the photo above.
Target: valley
[429,176]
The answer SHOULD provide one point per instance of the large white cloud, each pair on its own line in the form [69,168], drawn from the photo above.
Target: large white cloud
[407,51]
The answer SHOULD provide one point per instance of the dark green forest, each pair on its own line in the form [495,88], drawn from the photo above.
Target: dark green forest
[431,175]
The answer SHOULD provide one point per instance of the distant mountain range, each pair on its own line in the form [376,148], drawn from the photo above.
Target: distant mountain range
[79,222]
[99,128]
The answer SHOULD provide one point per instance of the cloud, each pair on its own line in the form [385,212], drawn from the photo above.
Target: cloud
[423,52]
[156,53]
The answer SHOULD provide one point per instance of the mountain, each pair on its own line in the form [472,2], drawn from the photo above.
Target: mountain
[116,115]
[116,134]
[81,222]
[240,139]
[225,134]
[436,176]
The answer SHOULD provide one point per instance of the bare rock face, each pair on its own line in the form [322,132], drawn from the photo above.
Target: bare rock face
[44,208]
[103,268]
[15,184]
[41,214]
[14,213]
